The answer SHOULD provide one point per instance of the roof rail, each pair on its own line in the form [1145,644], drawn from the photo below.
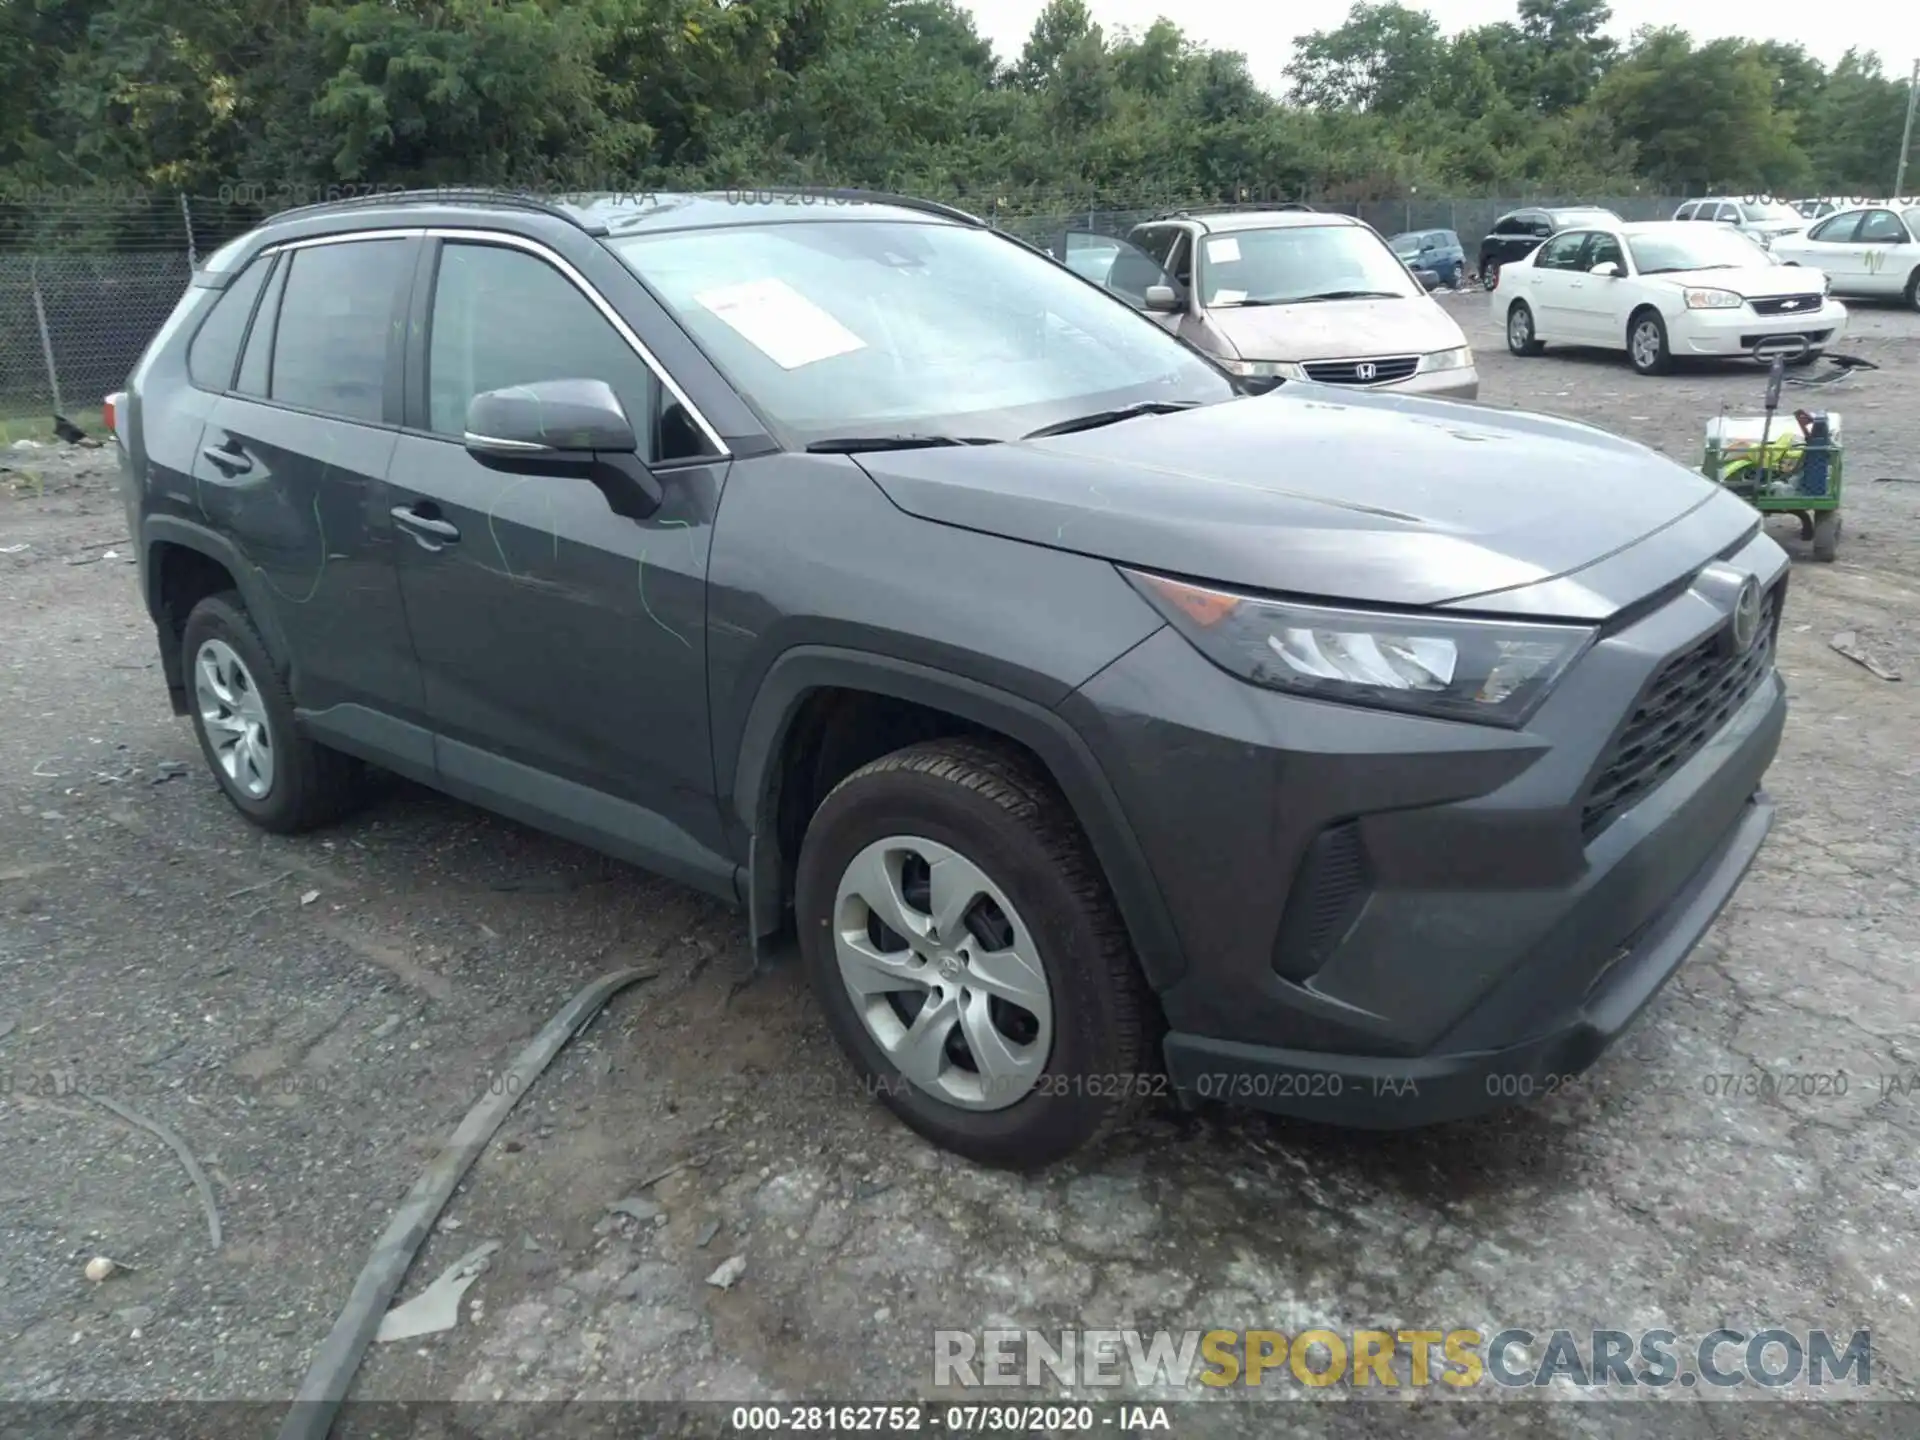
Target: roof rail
[855,195]
[455,195]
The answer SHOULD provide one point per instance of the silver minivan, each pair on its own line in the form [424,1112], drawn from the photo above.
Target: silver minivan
[1301,295]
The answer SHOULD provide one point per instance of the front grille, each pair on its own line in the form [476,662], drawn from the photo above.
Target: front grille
[1385,370]
[1786,304]
[1685,704]
[1812,337]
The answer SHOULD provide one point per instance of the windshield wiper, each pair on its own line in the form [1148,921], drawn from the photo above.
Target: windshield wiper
[1347,295]
[1108,417]
[855,444]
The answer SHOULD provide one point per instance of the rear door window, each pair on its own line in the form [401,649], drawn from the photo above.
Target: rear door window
[1836,231]
[255,364]
[1881,227]
[1686,211]
[336,325]
[216,345]
[1562,252]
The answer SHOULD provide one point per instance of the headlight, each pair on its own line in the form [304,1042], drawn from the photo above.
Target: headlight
[1253,369]
[1714,300]
[1492,672]
[1458,358]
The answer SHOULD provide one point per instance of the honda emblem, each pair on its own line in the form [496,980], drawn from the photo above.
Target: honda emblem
[1365,370]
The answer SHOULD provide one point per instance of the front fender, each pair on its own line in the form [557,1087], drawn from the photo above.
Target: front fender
[800,671]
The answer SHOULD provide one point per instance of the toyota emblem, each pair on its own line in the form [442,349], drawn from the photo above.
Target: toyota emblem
[1746,617]
[1366,370]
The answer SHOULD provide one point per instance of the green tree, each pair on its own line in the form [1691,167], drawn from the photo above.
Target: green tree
[1380,59]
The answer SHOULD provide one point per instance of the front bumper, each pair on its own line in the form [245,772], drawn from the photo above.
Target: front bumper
[1438,384]
[1387,920]
[1734,332]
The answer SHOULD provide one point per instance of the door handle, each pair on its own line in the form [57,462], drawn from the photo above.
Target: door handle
[431,531]
[233,462]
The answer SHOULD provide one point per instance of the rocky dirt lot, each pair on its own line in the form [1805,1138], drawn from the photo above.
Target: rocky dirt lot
[313,1017]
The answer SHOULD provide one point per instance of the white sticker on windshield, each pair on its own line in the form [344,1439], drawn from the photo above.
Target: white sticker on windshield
[1223,248]
[780,322]
[1229,297]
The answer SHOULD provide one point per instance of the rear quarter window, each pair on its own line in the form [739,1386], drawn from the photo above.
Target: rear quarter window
[215,346]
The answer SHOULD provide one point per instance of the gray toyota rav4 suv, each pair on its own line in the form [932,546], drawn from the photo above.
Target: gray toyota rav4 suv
[1100,727]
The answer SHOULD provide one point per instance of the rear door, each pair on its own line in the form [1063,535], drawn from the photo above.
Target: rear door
[292,468]
[1555,286]
[563,646]
[1882,245]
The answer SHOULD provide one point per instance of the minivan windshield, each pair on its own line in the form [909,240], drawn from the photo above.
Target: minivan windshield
[906,329]
[1295,264]
[1697,247]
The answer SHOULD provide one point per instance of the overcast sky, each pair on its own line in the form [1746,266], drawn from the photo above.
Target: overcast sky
[1263,30]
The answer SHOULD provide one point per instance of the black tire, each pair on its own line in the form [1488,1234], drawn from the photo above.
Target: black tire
[1826,534]
[1913,289]
[311,785]
[1011,823]
[1659,361]
[1489,274]
[1520,337]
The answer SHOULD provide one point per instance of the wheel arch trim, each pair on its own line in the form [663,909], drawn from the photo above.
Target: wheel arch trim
[1069,762]
[171,530]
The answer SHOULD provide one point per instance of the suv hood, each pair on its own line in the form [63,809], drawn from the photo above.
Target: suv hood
[1753,281]
[1315,492]
[1337,329]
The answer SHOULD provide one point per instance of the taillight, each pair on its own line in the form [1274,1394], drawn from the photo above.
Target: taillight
[110,412]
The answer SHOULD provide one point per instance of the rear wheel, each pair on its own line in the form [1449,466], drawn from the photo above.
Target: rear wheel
[243,716]
[1520,337]
[1647,343]
[1489,274]
[964,947]
[1913,290]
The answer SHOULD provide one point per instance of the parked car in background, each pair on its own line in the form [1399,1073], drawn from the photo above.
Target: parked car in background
[1516,233]
[1660,289]
[1089,256]
[1815,209]
[1298,295]
[1102,730]
[1436,250]
[1872,250]
[1763,220]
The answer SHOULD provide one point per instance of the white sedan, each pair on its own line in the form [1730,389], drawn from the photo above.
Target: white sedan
[1661,289]
[1868,250]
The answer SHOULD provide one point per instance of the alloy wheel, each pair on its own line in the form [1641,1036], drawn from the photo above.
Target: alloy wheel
[943,972]
[1519,328]
[234,718]
[1646,345]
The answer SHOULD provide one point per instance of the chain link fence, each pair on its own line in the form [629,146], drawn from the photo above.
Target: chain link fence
[85,280]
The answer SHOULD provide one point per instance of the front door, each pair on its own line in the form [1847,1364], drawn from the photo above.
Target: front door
[1557,286]
[563,646]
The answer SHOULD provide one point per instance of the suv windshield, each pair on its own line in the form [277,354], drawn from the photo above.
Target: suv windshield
[1699,248]
[1767,210]
[1298,263]
[841,328]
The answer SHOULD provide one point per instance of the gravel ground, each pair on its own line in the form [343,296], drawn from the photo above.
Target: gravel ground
[313,1017]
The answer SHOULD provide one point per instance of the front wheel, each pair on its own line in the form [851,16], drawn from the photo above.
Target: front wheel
[962,942]
[1520,337]
[1647,343]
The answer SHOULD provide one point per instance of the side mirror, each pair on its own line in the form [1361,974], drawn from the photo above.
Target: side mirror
[564,427]
[1608,268]
[1162,300]
[551,421]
